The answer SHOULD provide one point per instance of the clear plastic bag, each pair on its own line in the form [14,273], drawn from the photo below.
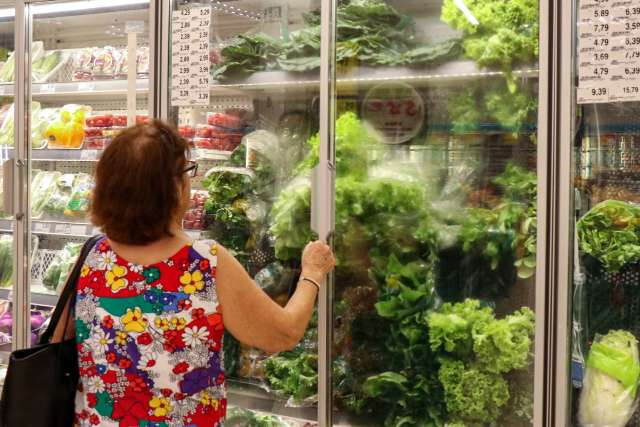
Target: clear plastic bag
[609,392]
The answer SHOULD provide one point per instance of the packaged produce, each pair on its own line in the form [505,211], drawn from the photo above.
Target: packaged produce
[6,260]
[142,68]
[194,216]
[120,120]
[8,68]
[82,64]
[67,131]
[96,142]
[57,201]
[608,396]
[78,202]
[43,186]
[223,120]
[104,63]
[57,272]
[43,66]
[99,121]
[187,131]
[6,128]
[39,124]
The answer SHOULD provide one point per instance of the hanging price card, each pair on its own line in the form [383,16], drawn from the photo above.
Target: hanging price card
[190,56]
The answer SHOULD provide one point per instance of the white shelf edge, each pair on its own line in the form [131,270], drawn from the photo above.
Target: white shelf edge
[94,89]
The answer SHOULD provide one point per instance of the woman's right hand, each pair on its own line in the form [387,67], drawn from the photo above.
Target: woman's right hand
[317,261]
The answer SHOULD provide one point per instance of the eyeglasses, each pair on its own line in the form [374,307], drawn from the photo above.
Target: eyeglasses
[191,169]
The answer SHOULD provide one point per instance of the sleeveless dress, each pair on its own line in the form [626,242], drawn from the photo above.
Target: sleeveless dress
[150,341]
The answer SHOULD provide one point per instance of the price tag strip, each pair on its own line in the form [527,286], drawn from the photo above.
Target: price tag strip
[608,51]
[190,56]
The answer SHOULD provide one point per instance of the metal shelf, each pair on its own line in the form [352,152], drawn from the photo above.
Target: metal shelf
[454,71]
[61,228]
[91,89]
[251,396]
[39,296]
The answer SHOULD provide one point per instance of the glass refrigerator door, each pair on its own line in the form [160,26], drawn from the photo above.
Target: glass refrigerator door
[435,212]
[604,320]
[84,89]
[250,113]
[8,249]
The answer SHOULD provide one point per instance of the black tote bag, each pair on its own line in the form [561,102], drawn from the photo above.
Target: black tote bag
[40,386]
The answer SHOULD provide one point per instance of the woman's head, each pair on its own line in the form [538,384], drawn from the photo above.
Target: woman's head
[141,189]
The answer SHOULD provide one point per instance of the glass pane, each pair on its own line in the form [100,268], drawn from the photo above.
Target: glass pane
[435,212]
[81,84]
[7,46]
[251,116]
[605,234]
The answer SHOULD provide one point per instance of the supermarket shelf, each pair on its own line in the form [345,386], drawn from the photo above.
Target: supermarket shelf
[39,296]
[251,396]
[55,228]
[281,80]
[91,89]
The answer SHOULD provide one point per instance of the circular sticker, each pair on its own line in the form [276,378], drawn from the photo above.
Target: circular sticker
[395,111]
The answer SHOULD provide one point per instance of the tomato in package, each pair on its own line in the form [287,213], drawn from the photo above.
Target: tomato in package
[93,132]
[187,131]
[224,120]
[96,142]
[99,121]
[205,143]
[120,120]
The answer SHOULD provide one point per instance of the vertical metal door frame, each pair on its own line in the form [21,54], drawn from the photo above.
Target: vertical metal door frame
[564,104]
[161,58]
[22,165]
[323,207]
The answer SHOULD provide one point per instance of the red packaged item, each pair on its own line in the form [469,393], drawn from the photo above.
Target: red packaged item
[224,120]
[96,143]
[142,119]
[93,132]
[187,131]
[206,143]
[204,131]
[120,120]
[99,121]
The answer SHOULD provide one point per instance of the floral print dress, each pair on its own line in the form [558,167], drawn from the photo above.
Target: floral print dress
[149,341]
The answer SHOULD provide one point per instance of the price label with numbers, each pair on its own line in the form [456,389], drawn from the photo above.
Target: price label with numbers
[628,11]
[190,56]
[62,228]
[626,72]
[593,95]
[41,227]
[594,12]
[625,91]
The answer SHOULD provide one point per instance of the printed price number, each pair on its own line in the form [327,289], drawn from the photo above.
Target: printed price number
[41,227]
[204,11]
[601,13]
[203,35]
[203,57]
[185,12]
[203,81]
[632,71]
[203,69]
[184,59]
[184,25]
[601,41]
[601,56]
[631,90]
[599,91]
[203,23]
[601,71]
[632,26]
[183,93]
[184,48]
[183,70]
[600,28]
[184,81]
[632,11]
[185,36]
[632,41]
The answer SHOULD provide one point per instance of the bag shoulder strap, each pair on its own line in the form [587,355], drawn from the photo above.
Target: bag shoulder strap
[69,289]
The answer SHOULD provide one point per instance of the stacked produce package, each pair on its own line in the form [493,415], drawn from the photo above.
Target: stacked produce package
[107,63]
[60,196]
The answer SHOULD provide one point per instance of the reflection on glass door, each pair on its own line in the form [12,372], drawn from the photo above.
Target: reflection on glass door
[605,366]
[244,81]
[435,212]
[89,80]
[7,220]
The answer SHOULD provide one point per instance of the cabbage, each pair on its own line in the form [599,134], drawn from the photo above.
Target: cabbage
[611,381]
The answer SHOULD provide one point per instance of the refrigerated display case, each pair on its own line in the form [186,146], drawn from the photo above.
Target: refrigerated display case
[405,134]
[598,382]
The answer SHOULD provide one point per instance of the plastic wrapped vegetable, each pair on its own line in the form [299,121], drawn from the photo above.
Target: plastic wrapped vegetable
[68,130]
[39,124]
[42,187]
[59,269]
[57,203]
[78,202]
[608,397]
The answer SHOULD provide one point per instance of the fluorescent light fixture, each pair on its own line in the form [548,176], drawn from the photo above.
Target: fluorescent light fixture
[466,12]
[83,5]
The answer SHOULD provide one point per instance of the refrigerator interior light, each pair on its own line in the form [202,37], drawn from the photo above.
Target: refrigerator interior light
[7,13]
[466,12]
[84,5]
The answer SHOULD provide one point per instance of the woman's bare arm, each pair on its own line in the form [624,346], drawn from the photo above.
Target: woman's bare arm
[255,319]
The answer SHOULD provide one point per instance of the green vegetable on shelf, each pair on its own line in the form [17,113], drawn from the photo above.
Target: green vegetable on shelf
[61,265]
[6,261]
[502,34]
[610,232]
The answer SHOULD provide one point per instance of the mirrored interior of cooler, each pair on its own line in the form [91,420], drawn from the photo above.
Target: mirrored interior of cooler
[435,197]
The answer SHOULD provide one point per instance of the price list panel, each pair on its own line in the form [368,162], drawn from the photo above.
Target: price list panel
[190,56]
[609,51]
